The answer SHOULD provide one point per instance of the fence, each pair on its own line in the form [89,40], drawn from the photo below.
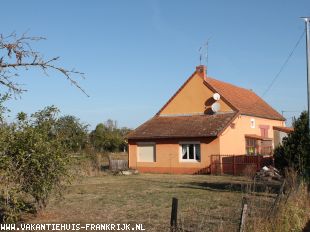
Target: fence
[238,164]
[115,165]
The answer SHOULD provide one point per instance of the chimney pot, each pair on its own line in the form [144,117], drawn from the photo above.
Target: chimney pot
[202,70]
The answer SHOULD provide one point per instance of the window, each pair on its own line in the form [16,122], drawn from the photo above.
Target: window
[146,152]
[190,152]
[252,123]
[264,130]
[250,146]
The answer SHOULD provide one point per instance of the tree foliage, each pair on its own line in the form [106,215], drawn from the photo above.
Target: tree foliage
[108,137]
[295,150]
[74,134]
[33,160]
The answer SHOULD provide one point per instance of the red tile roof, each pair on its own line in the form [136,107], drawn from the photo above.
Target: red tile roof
[241,100]
[284,129]
[244,100]
[183,126]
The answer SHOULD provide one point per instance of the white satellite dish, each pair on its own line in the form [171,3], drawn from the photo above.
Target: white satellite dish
[216,107]
[216,96]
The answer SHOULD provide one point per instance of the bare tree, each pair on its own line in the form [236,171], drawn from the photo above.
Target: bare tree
[16,52]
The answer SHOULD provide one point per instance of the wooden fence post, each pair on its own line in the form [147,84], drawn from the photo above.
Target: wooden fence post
[278,198]
[211,165]
[174,214]
[110,165]
[234,165]
[221,165]
[243,214]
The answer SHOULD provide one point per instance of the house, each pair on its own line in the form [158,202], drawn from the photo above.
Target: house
[204,117]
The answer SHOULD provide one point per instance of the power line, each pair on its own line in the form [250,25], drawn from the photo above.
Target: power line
[290,111]
[284,64]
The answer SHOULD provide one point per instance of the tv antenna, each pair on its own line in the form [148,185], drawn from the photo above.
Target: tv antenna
[203,53]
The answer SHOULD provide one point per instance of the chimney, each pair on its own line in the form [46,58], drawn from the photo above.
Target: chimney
[202,71]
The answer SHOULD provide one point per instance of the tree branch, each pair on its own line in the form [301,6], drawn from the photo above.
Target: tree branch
[18,53]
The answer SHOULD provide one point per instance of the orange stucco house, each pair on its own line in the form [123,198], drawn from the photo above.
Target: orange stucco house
[204,117]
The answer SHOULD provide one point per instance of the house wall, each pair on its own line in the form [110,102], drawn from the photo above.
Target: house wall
[194,97]
[168,156]
[278,137]
[232,140]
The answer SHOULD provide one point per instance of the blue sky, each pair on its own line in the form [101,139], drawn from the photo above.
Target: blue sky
[136,54]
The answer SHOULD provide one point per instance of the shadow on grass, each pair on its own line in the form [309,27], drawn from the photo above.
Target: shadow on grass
[234,187]
[160,182]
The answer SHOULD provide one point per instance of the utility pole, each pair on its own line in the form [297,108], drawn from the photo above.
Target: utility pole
[307,22]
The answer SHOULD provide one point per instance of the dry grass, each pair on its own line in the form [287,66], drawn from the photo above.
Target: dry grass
[206,203]
[291,214]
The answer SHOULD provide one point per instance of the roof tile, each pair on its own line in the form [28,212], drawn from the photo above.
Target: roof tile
[246,101]
[284,129]
[182,126]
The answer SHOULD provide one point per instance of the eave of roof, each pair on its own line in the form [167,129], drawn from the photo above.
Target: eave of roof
[259,137]
[284,129]
[183,126]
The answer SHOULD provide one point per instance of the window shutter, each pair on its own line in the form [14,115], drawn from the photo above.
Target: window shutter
[146,153]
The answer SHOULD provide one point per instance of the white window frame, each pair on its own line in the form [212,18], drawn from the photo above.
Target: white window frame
[146,144]
[189,143]
[252,123]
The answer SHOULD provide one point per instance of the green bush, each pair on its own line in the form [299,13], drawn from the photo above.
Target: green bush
[74,133]
[33,161]
[107,137]
[12,205]
[295,150]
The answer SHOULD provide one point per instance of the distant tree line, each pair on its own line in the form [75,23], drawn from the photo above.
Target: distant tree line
[106,137]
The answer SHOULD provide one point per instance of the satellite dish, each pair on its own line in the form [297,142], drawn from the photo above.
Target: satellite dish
[216,96]
[216,107]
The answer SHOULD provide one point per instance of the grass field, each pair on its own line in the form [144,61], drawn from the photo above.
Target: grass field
[206,203]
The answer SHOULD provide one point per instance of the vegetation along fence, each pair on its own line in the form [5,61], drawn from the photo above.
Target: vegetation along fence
[239,164]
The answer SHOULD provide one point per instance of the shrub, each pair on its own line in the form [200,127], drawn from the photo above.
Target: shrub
[295,150]
[33,162]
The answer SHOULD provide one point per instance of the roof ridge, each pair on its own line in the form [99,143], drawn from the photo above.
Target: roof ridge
[227,83]
[193,114]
